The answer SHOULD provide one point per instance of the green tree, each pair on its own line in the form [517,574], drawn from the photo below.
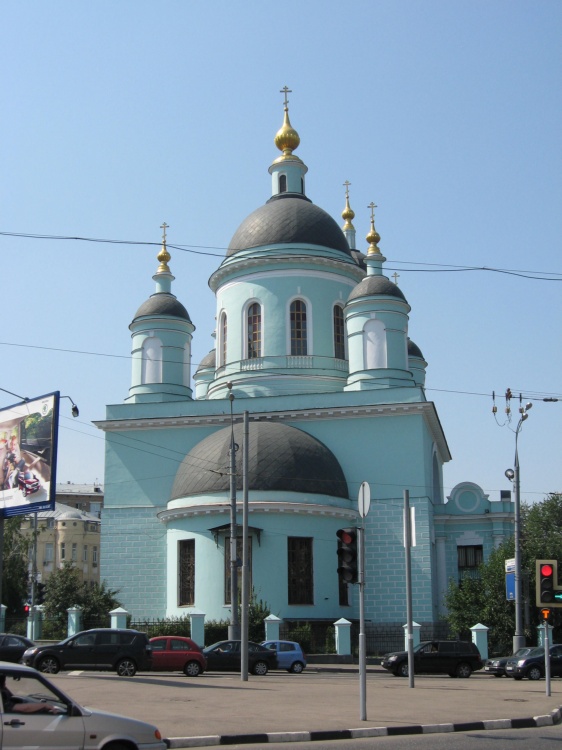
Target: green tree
[485,601]
[15,561]
[64,589]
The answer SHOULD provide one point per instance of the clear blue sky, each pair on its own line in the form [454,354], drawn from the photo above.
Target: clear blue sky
[121,115]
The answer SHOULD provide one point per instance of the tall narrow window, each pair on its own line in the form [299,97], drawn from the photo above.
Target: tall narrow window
[224,333]
[339,339]
[300,572]
[283,183]
[186,572]
[151,360]
[74,552]
[254,331]
[298,328]
[63,550]
[227,565]
[374,345]
[95,556]
[85,554]
[49,552]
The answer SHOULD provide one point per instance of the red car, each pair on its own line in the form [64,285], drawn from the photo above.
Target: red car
[28,483]
[171,653]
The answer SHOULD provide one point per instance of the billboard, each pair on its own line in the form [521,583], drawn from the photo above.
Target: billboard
[28,455]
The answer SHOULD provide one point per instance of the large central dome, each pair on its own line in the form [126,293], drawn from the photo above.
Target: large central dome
[288,218]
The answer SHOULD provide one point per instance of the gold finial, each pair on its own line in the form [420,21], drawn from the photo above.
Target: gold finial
[287,139]
[348,214]
[163,256]
[373,237]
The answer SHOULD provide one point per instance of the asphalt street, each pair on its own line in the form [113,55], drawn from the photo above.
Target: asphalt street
[216,706]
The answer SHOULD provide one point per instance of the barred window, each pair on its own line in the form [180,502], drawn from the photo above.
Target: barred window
[298,328]
[254,331]
[186,572]
[339,337]
[470,557]
[300,571]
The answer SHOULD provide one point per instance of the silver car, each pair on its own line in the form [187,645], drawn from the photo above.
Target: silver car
[36,713]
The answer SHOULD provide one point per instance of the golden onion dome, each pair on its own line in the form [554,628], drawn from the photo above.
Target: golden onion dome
[373,236]
[163,256]
[348,214]
[287,139]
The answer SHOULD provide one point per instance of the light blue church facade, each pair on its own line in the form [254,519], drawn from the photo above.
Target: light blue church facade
[312,342]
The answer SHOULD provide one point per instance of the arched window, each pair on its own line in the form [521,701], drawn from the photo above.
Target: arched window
[298,328]
[339,333]
[151,360]
[254,331]
[374,345]
[223,339]
[282,183]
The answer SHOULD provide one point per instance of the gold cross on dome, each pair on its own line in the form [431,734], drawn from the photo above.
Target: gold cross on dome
[396,276]
[163,227]
[372,206]
[285,90]
[346,184]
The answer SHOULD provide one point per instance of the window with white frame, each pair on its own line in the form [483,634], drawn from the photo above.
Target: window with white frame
[253,319]
[299,335]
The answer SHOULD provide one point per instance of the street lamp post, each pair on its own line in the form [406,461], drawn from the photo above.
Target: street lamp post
[514,476]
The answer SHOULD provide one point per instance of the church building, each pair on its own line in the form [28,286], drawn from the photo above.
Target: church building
[312,345]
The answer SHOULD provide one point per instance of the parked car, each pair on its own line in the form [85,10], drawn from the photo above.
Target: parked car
[37,713]
[13,646]
[290,655]
[116,649]
[496,665]
[225,656]
[175,653]
[455,658]
[532,665]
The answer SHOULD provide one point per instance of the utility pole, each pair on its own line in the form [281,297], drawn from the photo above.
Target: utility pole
[234,627]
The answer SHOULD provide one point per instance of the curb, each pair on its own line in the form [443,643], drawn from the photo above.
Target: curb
[355,734]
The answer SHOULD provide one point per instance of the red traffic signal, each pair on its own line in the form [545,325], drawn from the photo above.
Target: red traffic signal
[348,554]
[27,608]
[548,593]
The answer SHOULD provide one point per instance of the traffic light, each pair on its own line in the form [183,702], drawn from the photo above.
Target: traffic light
[548,592]
[27,608]
[348,555]
[40,597]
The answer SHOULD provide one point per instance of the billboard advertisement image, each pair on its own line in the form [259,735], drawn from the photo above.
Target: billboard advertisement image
[28,453]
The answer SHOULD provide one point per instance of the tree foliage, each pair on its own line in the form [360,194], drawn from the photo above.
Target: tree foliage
[14,575]
[64,590]
[484,600]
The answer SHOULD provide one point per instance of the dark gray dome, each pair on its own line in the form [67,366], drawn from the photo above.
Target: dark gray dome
[209,360]
[414,350]
[288,218]
[376,285]
[162,303]
[281,458]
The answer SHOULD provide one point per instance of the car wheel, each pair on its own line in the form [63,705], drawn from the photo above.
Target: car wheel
[464,670]
[192,669]
[260,668]
[48,665]
[403,669]
[126,668]
[297,667]
[534,673]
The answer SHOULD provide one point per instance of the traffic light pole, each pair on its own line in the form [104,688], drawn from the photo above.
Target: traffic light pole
[362,637]
[408,561]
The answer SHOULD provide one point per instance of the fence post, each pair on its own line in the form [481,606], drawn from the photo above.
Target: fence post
[119,617]
[416,627]
[480,638]
[74,624]
[343,637]
[197,620]
[272,624]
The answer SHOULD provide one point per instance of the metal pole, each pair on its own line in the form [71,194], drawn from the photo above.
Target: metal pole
[409,621]
[245,568]
[1,550]
[546,658]
[362,637]
[234,627]
[519,637]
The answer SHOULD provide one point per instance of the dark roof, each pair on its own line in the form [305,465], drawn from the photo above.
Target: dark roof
[376,285]
[280,458]
[288,218]
[414,350]
[162,303]
[209,360]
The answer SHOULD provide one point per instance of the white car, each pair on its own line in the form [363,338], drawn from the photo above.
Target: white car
[37,714]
